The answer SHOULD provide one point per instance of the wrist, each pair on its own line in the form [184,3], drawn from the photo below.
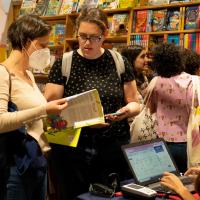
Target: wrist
[182,191]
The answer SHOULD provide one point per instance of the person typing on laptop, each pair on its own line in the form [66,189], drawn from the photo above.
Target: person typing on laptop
[173,182]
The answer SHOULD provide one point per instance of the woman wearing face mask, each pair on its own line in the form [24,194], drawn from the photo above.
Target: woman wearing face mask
[29,36]
[99,149]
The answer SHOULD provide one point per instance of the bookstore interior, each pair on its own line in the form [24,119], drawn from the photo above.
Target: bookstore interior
[142,22]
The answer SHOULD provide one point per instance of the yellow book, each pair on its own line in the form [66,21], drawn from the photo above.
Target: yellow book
[67,137]
[186,41]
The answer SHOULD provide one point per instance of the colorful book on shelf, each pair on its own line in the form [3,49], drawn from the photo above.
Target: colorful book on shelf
[110,18]
[159,20]
[68,6]
[141,21]
[157,2]
[53,7]
[149,20]
[173,19]
[59,34]
[127,4]
[108,4]
[27,7]
[174,39]
[190,41]
[119,24]
[87,4]
[41,7]
[192,17]
[141,40]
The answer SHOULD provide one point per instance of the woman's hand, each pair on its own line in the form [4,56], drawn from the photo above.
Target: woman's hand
[194,171]
[171,181]
[125,112]
[56,106]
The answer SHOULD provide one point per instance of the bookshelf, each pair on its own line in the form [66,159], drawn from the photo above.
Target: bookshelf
[144,37]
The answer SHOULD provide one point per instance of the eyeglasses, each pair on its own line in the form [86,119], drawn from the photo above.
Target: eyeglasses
[92,38]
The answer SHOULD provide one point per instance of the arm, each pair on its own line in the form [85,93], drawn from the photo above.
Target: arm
[132,107]
[173,182]
[13,120]
[53,91]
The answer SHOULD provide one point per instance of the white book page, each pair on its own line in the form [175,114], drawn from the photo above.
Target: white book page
[83,109]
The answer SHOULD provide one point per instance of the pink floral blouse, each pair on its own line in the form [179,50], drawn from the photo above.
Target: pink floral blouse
[172,99]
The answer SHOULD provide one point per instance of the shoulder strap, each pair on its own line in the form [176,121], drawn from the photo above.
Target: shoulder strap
[67,64]
[119,62]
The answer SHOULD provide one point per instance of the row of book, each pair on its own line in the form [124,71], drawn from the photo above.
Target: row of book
[189,41]
[161,2]
[167,19]
[60,7]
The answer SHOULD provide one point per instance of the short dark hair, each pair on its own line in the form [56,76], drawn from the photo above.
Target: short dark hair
[25,28]
[191,61]
[167,60]
[93,15]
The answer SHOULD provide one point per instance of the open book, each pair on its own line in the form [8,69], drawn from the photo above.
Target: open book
[83,109]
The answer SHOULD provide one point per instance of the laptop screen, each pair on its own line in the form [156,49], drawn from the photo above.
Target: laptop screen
[149,160]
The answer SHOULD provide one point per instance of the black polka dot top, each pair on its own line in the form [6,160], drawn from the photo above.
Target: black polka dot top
[100,74]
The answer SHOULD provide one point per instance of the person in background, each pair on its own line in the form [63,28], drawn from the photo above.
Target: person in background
[29,37]
[173,182]
[136,56]
[171,100]
[99,148]
[191,61]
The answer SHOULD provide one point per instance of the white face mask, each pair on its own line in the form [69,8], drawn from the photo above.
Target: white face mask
[40,59]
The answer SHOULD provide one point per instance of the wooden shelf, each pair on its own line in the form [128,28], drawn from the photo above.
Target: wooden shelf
[54,18]
[120,38]
[168,32]
[118,10]
[173,5]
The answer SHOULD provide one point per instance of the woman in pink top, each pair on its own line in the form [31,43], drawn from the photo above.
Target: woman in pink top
[171,100]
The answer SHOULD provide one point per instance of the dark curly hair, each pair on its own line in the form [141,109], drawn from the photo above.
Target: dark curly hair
[167,60]
[191,61]
[93,15]
[197,184]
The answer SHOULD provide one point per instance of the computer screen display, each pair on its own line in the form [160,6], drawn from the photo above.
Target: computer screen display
[149,161]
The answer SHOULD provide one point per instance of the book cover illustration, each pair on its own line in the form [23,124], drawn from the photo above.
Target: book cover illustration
[108,4]
[27,7]
[192,17]
[174,39]
[41,7]
[58,133]
[87,4]
[68,6]
[159,20]
[119,24]
[173,19]
[53,7]
[141,21]
[59,34]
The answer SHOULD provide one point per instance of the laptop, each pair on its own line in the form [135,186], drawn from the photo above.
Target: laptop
[148,161]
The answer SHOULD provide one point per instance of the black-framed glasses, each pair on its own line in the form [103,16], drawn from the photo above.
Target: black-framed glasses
[91,38]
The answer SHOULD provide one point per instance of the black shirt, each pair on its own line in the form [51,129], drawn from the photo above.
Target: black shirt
[101,74]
